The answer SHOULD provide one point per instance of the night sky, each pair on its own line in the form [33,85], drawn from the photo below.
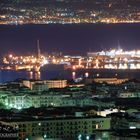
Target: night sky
[69,39]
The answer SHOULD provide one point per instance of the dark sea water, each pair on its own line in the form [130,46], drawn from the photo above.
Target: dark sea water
[74,39]
[10,75]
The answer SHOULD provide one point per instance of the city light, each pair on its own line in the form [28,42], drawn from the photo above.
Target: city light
[111,59]
[79,137]
[39,124]
[45,136]
[111,12]
[87,137]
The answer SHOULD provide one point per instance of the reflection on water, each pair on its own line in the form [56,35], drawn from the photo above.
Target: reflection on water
[30,75]
[37,75]
[34,75]
[74,75]
[10,75]
[86,74]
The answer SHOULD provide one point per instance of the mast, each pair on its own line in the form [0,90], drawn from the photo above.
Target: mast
[38,49]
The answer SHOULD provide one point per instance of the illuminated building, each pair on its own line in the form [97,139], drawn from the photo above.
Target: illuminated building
[36,99]
[16,101]
[56,83]
[110,80]
[44,85]
[60,127]
[40,87]
[129,95]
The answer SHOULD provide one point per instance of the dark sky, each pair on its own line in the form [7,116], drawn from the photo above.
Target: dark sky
[70,39]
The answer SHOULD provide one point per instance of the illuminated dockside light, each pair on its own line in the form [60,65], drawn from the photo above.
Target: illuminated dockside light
[116,59]
[111,59]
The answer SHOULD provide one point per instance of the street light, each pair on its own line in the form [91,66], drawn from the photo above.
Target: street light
[87,137]
[45,136]
[79,137]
